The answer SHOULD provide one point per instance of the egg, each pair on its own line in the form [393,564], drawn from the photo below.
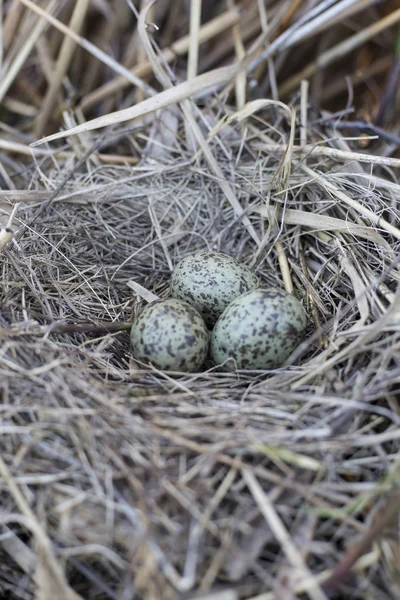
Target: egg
[258,330]
[210,281]
[171,335]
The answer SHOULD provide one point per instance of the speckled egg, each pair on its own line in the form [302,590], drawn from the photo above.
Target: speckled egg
[258,331]
[210,281]
[171,335]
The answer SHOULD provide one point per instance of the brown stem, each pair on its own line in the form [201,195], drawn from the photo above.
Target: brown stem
[59,327]
[90,327]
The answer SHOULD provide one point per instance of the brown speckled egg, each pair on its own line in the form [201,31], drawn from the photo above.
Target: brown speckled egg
[258,331]
[171,335]
[210,281]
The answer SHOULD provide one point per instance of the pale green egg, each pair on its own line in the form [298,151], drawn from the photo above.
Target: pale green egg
[171,335]
[210,281]
[258,330]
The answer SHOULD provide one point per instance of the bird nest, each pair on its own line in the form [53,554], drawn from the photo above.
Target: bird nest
[122,481]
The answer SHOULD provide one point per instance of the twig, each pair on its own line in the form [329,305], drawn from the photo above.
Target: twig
[340,155]
[69,328]
[195,21]
[240,83]
[97,328]
[369,128]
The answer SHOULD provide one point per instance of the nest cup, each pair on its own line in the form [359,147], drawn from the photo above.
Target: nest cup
[123,481]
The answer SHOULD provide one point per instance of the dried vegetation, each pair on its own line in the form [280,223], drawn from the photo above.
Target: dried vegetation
[122,482]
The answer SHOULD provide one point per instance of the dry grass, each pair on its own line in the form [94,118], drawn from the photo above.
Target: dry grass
[119,482]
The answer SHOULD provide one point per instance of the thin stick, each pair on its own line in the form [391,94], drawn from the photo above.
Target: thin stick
[284,174]
[193,60]
[11,22]
[271,68]
[340,155]
[371,128]
[284,267]
[1,36]
[303,112]
[69,328]
[240,82]
[195,22]
[140,55]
